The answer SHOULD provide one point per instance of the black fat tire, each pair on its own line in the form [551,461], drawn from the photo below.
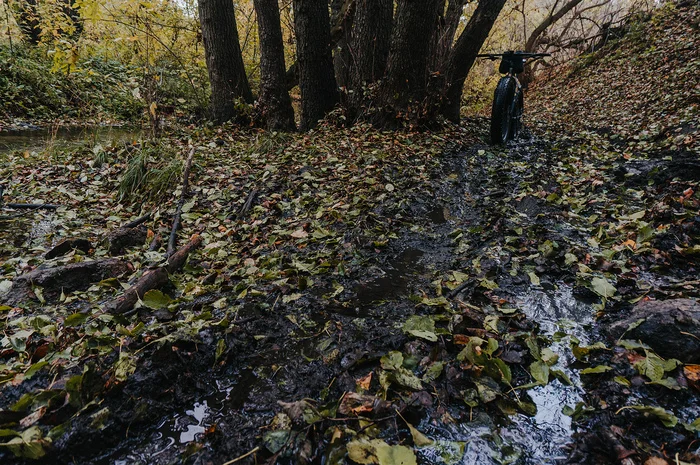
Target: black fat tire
[516,126]
[502,110]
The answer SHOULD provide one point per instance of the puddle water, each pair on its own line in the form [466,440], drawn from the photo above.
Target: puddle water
[526,440]
[393,282]
[36,139]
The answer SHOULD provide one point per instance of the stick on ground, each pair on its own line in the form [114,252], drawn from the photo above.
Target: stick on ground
[153,278]
[176,218]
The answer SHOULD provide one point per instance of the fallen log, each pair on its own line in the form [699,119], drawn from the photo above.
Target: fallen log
[152,279]
[124,237]
[67,245]
[65,278]
[178,212]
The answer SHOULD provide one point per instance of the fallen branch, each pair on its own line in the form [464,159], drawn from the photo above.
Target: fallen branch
[138,221]
[32,206]
[178,212]
[246,206]
[153,278]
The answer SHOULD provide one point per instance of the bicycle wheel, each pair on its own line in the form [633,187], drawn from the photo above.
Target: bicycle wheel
[516,125]
[502,110]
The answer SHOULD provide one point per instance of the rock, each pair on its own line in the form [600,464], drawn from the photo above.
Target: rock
[121,239]
[66,278]
[670,327]
[67,245]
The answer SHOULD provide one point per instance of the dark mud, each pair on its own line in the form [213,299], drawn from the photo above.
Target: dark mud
[212,402]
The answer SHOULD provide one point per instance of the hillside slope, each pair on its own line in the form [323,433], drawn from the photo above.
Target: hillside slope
[642,89]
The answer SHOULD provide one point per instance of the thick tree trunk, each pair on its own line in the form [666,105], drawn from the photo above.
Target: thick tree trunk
[224,60]
[319,91]
[404,90]
[464,53]
[274,102]
[342,17]
[371,38]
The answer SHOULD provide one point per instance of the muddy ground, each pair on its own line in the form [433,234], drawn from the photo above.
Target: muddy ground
[523,245]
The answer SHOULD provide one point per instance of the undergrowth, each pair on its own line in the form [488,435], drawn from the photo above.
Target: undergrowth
[150,170]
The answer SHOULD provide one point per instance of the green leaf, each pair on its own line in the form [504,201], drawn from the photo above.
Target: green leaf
[405,378]
[667,418]
[427,335]
[652,366]
[76,319]
[420,326]
[419,439]
[275,440]
[378,452]
[433,372]
[392,361]
[540,372]
[125,366]
[596,370]
[632,345]
[602,287]
[562,376]
[34,369]
[622,381]
[155,299]
[534,279]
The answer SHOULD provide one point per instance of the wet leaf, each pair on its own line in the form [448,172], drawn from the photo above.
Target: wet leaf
[602,287]
[406,379]
[274,441]
[125,366]
[667,418]
[540,372]
[392,361]
[419,439]
[155,299]
[596,370]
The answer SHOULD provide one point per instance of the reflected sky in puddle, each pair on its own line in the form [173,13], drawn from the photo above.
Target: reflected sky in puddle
[526,440]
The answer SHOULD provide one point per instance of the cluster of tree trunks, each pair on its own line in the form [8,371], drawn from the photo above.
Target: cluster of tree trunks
[386,62]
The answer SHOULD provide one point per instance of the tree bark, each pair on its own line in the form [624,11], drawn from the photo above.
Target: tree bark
[371,36]
[405,88]
[531,43]
[224,60]
[464,53]
[319,91]
[342,17]
[274,102]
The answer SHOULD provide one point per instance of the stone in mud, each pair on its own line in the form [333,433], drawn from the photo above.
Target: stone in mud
[67,245]
[66,278]
[670,327]
[121,239]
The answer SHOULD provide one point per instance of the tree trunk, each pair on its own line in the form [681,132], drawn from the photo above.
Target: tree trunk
[319,91]
[342,16]
[404,90]
[534,39]
[371,36]
[224,60]
[274,102]
[531,43]
[464,53]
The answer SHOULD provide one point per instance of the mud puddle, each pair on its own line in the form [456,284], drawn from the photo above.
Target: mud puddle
[37,139]
[520,439]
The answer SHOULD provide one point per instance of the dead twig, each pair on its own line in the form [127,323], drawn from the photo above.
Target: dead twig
[178,212]
[246,206]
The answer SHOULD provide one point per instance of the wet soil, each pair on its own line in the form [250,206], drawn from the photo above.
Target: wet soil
[211,402]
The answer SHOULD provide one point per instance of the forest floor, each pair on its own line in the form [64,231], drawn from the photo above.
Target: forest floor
[380,297]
